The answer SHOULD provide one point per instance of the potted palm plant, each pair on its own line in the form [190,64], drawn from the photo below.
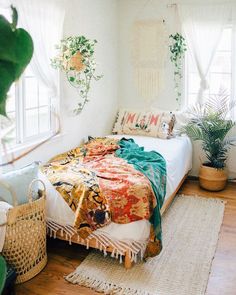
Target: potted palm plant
[210,123]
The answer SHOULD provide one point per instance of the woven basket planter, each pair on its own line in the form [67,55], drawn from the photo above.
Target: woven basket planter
[212,179]
[25,242]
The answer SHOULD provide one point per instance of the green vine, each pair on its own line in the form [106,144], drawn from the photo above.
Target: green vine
[177,49]
[76,59]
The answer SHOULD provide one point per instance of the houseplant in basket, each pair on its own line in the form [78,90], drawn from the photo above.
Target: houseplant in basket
[209,122]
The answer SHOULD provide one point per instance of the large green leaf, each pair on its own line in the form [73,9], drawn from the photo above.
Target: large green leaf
[16,50]
[3,272]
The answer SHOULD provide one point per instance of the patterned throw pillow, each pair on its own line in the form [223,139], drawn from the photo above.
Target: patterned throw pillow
[181,120]
[175,119]
[153,123]
[166,127]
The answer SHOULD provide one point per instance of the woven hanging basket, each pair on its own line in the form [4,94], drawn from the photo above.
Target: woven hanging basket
[25,242]
[76,63]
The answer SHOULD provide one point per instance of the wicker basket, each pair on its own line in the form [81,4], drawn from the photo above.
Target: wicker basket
[25,241]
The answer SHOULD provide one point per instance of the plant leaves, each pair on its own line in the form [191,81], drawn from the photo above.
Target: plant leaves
[208,123]
[16,50]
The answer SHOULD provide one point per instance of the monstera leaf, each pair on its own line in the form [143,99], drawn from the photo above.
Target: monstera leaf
[16,50]
[3,271]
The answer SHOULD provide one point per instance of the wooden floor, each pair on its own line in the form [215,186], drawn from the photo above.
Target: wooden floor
[63,259]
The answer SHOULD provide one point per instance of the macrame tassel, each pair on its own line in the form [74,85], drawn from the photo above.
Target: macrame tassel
[147,82]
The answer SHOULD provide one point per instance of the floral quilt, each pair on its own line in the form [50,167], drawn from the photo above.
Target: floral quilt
[108,180]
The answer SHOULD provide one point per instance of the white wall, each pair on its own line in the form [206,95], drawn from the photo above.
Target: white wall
[96,19]
[110,22]
[129,11]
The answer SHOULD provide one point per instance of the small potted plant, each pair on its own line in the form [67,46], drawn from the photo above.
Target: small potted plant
[209,122]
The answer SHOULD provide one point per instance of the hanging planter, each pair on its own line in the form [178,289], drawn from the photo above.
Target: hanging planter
[177,50]
[76,59]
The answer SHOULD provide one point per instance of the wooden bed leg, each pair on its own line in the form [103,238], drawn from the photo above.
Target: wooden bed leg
[128,263]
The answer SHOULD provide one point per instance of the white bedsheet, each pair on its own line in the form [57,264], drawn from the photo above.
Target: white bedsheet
[178,155]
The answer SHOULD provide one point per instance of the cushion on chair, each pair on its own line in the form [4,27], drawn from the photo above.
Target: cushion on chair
[19,180]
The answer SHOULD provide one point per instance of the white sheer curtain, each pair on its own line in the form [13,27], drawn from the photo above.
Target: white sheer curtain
[4,3]
[202,25]
[43,19]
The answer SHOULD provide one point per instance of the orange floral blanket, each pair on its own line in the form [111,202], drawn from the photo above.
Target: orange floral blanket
[101,187]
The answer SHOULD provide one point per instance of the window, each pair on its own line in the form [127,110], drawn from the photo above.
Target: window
[29,109]
[220,73]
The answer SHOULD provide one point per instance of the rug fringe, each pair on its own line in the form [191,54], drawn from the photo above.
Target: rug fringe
[190,239]
[205,199]
[82,279]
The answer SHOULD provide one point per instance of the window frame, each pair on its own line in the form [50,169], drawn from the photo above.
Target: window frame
[22,141]
[20,118]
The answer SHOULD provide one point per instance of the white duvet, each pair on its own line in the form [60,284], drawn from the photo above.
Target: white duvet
[178,155]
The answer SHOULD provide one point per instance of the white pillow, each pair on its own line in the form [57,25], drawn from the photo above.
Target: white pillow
[19,180]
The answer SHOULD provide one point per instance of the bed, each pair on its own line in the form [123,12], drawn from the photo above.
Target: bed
[122,240]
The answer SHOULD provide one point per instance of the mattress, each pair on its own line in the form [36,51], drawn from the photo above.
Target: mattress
[178,155]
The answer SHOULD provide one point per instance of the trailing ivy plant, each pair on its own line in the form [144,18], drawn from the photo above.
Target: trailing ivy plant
[76,59]
[177,50]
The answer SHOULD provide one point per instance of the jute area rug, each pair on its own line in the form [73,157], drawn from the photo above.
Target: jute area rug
[190,234]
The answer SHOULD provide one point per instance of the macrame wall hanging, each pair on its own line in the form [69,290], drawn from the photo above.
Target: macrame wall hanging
[149,52]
